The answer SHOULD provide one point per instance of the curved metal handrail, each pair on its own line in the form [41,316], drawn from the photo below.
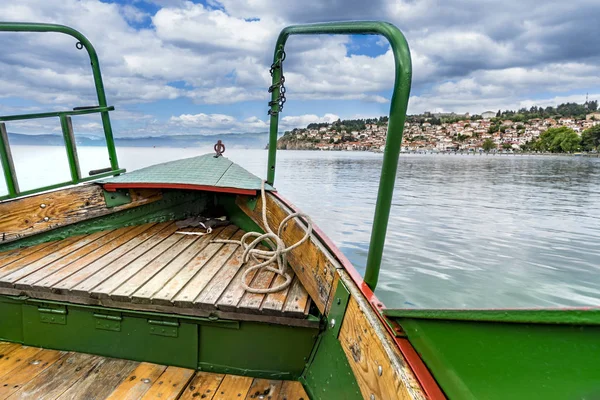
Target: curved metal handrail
[398,106]
[102,108]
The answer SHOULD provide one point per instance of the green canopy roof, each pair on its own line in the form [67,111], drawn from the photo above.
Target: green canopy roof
[205,172]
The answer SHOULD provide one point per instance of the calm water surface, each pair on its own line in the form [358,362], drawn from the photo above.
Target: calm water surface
[465,231]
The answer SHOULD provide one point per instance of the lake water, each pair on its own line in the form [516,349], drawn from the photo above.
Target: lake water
[465,231]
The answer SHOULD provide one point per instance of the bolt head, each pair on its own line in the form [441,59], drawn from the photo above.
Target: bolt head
[46,219]
[379,370]
[332,323]
[42,205]
[372,396]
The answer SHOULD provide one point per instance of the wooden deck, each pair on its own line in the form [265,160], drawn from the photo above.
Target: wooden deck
[38,374]
[150,267]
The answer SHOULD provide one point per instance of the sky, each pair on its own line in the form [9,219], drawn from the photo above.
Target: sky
[201,67]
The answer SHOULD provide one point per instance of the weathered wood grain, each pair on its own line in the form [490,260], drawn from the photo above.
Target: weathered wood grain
[195,266]
[264,389]
[33,257]
[129,265]
[313,266]
[9,384]
[99,272]
[297,301]
[147,291]
[195,286]
[101,381]
[144,274]
[9,256]
[203,386]
[234,292]
[122,236]
[39,213]
[292,390]
[366,354]
[233,387]
[6,348]
[251,302]
[215,288]
[16,359]
[8,280]
[170,384]
[273,302]
[138,382]
[80,256]
[59,377]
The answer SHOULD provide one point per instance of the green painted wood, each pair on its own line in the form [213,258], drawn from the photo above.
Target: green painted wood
[573,316]
[205,170]
[507,360]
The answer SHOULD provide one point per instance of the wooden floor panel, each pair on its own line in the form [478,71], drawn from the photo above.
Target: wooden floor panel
[50,374]
[150,265]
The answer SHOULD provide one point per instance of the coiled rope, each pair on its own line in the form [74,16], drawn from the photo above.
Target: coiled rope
[264,258]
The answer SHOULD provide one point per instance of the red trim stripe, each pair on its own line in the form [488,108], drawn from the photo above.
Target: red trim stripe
[111,187]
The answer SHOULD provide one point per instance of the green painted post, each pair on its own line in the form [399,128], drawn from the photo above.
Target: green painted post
[398,106]
[67,131]
[7,163]
[84,42]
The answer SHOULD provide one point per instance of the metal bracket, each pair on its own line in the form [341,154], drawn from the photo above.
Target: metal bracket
[338,309]
[116,198]
[164,328]
[108,322]
[53,314]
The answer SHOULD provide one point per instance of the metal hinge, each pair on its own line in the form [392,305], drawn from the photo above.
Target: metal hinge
[108,322]
[116,198]
[164,328]
[53,314]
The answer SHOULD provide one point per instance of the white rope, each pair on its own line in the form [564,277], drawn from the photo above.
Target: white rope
[264,258]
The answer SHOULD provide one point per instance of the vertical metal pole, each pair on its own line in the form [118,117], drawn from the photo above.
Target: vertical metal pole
[10,175]
[398,106]
[70,146]
[274,123]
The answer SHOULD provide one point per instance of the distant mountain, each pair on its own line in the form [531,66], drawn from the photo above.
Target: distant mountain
[231,140]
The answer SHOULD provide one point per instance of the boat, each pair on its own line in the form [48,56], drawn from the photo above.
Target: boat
[195,279]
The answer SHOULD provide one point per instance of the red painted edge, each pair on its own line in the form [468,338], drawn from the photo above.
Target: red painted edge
[111,187]
[422,373]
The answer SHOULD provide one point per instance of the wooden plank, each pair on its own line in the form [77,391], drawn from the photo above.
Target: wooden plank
[9,384]
[312,265]
[142,275]
[234,292]
[66,254]
[16,359]
[16,254]
[170,384]
[195,286]
[297,301]
[366,354]
[34,257]
[122,236]
[54,381]
[215,288]
[84,256]
[264,389]
[35,214]
[251,302]
[233,387]
[7,347]
[94,274]
[273,302]
[196,265]
[203,386]
[164,276]
[101,381]
[138,382]
[293,390]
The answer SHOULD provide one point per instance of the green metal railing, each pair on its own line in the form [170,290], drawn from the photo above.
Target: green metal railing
[64,116]
[399,103]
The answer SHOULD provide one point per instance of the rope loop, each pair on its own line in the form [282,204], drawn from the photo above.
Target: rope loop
[266,258]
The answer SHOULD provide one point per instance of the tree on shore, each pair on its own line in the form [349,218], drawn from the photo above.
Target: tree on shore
[558,140]
[506,146]
[590,138]
[488,145]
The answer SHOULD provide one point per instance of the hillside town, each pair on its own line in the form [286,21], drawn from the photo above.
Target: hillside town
[430,132]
